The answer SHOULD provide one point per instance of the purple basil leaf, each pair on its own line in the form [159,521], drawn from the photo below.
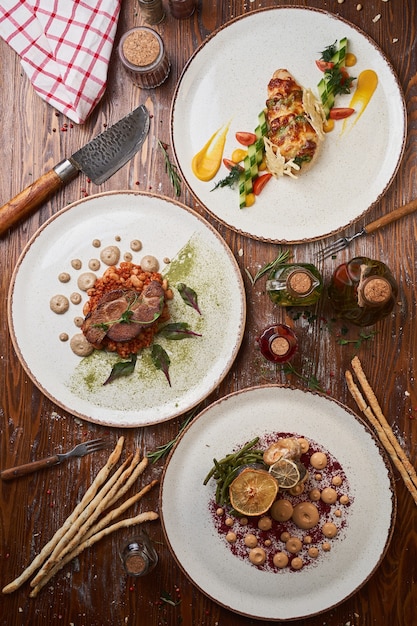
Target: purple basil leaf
[189,296]
[177,330]
[161,360]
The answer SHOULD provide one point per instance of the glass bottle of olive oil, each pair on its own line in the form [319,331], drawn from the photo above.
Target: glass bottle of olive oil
[363,291]
[297,284]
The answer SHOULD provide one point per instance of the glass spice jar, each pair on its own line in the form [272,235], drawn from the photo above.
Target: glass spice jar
[298,284]
[142,53]
[362,291]
[278,343]
[182,8]
[138,555]
[152,11]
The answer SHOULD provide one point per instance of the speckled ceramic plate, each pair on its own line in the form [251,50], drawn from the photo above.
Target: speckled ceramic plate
[168,230]
[205,556]
[226,79]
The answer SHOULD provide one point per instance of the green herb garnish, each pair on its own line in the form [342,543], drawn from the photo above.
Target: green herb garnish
[359,340]
[171,169]
[312,381]
[269,267]
[122,368]
[163,450]
[231,180]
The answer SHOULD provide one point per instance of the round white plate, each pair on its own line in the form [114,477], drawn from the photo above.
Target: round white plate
[203,554]
[164,227]
[226,79]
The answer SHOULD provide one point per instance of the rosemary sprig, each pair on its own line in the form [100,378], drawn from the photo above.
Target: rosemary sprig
[269,267]
[163,450]
[171,169]
[312,381]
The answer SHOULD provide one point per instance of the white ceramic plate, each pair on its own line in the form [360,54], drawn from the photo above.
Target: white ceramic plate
[226,79]
[164,227]
[204,555]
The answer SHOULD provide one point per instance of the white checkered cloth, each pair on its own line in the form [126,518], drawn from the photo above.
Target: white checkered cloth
[65,47]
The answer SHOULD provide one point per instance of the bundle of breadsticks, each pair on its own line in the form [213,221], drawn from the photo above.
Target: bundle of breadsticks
[376,417]
[91,520]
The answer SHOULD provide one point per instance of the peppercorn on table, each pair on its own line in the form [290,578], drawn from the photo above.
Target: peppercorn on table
[63,529]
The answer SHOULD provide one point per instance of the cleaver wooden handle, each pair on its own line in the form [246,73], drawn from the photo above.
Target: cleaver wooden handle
[31,198]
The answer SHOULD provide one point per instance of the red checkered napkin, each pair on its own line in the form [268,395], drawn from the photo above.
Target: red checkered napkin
[65,47]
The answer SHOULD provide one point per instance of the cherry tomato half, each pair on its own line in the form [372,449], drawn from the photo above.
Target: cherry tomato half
[260,182]
[324,65]
[246,139]
[231,164]
[340,113]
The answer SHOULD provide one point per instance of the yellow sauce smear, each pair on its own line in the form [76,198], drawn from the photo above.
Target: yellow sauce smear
[206,163]
[367,83]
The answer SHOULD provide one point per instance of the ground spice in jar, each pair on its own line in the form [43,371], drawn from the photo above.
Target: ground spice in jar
[142,53]
[135,564]
[141,48]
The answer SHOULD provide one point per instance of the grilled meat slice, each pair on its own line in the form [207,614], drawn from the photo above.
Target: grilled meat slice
[121,315]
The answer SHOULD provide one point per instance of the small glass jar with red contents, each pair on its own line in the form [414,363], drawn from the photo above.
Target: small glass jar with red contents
[182,8]
[278,343]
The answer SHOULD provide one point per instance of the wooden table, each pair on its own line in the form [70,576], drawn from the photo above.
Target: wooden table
[94,591]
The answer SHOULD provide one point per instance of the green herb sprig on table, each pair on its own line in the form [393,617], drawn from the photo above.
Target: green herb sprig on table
[164,449]
[362,337]
[282,257]
[312,381]
[171,169]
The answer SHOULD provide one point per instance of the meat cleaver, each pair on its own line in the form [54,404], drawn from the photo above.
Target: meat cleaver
[98,160]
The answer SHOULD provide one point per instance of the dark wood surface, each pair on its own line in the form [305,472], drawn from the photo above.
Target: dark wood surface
[94,590]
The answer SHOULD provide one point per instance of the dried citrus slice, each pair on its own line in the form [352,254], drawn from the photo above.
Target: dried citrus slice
[253,491]
[286,472]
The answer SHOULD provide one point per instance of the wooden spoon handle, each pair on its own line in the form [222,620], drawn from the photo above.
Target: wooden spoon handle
[28,468]
[392,217]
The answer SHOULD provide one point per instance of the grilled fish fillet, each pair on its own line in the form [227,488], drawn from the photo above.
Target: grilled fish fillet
[290,128]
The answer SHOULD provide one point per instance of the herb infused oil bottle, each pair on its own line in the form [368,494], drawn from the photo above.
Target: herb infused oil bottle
[298,284]
[363,291]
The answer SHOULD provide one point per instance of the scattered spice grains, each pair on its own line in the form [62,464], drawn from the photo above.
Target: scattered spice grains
[141,48]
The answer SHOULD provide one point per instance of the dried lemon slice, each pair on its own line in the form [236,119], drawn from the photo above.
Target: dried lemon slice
[286,472]
[253,491]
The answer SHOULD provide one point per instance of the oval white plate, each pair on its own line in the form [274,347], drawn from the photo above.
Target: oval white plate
[203,554]
[164,227]
[226,79]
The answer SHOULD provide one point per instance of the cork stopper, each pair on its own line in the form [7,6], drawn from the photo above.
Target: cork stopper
[279,346]
[300,282]
[374,291]
[136,564]
[141,48]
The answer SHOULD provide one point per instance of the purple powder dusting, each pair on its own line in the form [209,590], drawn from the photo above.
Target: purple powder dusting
[326,511]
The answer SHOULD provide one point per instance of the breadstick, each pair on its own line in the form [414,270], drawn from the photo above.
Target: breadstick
[110,517]
[91,512]
[357,368]
[139,519]
[87,498]
[140,468]
[356,394]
